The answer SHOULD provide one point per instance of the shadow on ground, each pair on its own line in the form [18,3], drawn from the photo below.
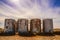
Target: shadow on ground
[30,34]
[6,34]
[46,34]
[57,33]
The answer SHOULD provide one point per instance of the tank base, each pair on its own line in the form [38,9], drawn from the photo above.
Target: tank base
[9,33]
[24,33]
[48,34]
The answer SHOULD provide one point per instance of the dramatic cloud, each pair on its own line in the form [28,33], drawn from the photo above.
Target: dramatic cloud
[31,9]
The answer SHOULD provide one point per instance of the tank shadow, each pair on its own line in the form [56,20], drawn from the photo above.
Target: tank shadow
[26,34]
[30,34]
[7,34]
[57,33]
[46,34]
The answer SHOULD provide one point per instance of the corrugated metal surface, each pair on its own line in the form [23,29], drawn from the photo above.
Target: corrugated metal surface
[35,26]
[22,26]
[48,26]
[9,26]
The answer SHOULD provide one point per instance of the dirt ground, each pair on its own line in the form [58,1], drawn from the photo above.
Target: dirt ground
[17,37]
[37,37]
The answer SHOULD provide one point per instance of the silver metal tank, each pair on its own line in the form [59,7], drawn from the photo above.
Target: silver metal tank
[9,26]
[22,25]
[47,25]
[35,26]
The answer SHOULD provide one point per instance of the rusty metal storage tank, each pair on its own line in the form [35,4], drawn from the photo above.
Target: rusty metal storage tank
[22,25]
[35,26]
[9,27]
[47,25]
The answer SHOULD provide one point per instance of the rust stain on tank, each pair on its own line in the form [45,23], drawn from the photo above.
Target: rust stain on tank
[48,26]
[35,26]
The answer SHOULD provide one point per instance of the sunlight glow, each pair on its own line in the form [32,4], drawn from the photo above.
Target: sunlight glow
[15,1]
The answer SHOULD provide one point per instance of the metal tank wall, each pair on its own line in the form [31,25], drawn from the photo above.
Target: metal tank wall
[35,26]
[9,26]
[47,25]
[22,25]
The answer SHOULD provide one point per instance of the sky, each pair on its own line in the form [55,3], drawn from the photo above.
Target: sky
[41,9]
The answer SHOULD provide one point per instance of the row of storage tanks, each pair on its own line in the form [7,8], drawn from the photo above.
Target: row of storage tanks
[25,26]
